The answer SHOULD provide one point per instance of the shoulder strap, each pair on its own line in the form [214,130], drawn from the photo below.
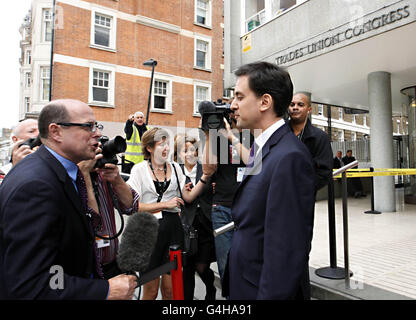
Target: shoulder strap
[177,179]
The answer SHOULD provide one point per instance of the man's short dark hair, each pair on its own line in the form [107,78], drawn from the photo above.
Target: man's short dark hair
[53,112]
[349,150]
[265,77]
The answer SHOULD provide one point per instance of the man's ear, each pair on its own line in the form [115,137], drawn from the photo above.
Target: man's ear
[14,139]
[266,102]
[55,132]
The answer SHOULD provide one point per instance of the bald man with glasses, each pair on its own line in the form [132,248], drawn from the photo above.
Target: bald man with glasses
[47,244]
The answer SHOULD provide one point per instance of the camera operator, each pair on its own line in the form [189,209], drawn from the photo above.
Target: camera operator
[225,146]
[107,191]
[134,130]
[23,131]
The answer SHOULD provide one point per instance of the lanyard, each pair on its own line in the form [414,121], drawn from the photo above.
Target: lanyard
[162,185]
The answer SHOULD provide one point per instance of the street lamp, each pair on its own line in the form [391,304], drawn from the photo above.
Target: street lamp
[153,64]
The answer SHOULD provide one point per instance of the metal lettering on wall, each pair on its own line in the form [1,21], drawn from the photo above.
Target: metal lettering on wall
[392,17]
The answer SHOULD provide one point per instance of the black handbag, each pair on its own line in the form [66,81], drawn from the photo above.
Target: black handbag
[190,233]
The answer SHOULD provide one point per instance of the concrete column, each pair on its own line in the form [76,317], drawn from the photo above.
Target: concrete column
[380,102]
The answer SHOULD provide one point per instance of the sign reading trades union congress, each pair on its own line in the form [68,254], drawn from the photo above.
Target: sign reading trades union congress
[371,24]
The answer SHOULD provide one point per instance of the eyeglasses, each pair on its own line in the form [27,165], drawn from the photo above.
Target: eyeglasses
[92,126]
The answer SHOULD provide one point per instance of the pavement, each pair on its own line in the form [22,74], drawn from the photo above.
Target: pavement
[382,253]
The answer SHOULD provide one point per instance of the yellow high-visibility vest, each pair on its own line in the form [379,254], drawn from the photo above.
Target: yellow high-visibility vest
[134,147]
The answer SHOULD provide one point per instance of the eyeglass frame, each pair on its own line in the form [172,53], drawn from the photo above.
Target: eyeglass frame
[92,126]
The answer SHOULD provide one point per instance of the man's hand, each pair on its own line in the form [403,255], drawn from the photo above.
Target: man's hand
[175,202]
[87,166]
[131,117]
[19,151]
[111,173]
[122,287]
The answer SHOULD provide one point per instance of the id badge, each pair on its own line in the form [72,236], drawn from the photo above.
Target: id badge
[102,243]
[240,174]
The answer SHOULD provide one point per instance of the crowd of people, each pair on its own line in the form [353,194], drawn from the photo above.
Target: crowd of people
[57,208]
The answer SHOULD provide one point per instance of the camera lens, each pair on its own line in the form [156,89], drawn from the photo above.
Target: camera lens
[214,121]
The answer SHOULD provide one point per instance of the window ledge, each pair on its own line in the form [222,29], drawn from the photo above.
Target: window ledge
[161,111]
[198,115]
[94,46]
[202,25]
[101,104]
[202,69]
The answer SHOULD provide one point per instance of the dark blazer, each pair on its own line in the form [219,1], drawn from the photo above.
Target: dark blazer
[319,145]
[42,224]
[338,163]
[273,216]
[204,200]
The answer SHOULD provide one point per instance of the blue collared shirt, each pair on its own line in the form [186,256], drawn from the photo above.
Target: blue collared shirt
[70,167]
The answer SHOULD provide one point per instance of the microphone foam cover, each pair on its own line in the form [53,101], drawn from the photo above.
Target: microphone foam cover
[137,243]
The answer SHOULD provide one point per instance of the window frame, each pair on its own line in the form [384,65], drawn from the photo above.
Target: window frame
[112,33]
[168,101]
[208,55]
[208,18]
[111,82]
[41,82]
[206,85]
[44,22]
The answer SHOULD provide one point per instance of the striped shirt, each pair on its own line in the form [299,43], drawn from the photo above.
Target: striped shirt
[107,217]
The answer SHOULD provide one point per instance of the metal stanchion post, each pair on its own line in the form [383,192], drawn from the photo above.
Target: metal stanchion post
[372,211]
[331,272]
[176,273]
[345,224]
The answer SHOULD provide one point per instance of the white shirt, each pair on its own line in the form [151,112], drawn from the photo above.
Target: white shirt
[191,174]
[142,182]
[262,139]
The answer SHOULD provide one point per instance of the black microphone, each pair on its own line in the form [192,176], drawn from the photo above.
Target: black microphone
[137,243]
[206,106]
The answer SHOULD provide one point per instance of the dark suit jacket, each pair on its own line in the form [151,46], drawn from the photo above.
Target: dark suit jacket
[273,215]
[319,145]
[337,163]
[42,224]
[204,200]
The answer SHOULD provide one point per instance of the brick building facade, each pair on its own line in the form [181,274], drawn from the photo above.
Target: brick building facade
[99,47]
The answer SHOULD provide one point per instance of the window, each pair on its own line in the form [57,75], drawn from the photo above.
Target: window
[354,119]
[103,30]
[203,12]
[340,134]
[354,136]
[340,113]
[202,53]
[28,57]
[398,126]
[160,95]
[365,121]
[320,109]
[101,86]
[44,83]
[28,79]
[202,92]
[27,104]
[47,25]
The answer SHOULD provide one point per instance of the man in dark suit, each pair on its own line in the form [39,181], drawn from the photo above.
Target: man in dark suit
[316,140]
[338,160]
[273,206]
[46,238]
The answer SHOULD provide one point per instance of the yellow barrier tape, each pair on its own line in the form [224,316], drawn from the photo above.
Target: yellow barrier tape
[389,172]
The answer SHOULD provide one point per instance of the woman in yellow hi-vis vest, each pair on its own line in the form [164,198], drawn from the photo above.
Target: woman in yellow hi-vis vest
[134,129]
